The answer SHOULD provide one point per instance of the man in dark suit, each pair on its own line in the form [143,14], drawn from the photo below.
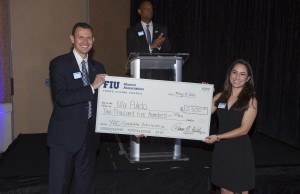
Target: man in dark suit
[149,37]
[72,141]
[137,38]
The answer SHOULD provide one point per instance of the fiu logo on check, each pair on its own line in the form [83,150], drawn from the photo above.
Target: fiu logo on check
[111,84]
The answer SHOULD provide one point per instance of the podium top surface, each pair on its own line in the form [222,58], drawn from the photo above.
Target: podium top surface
[150,58]
[184,56]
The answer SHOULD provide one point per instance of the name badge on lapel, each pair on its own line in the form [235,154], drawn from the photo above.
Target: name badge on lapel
[222,105]
[141,33]
[77,75]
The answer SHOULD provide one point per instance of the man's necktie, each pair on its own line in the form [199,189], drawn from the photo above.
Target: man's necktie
[86,81]
[148,34]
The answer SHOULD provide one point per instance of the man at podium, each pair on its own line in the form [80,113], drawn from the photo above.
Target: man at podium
[146,36]
[149,37]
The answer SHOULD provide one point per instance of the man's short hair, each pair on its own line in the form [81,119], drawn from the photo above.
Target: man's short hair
[143,1]
[81,25]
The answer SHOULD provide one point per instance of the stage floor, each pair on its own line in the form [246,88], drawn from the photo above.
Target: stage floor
[24,167]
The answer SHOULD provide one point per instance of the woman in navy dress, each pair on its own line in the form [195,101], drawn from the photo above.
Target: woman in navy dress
[232,159]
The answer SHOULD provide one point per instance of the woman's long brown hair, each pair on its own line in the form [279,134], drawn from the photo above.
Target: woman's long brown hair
[247,92]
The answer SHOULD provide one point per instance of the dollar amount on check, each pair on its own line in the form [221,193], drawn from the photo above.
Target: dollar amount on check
[154,108]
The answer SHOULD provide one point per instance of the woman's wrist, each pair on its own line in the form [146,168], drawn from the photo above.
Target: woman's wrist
[218,139]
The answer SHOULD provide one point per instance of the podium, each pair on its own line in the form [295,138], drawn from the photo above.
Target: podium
[163,66]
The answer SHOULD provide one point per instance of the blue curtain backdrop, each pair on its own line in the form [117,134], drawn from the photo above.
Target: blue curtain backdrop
[264,32]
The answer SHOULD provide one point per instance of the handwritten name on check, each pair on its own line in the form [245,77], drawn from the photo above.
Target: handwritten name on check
[154,108]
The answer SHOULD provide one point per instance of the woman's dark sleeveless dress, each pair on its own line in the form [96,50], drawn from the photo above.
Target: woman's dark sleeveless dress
[232,159]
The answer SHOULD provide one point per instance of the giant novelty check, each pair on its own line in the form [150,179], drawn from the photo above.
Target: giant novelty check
[154,108]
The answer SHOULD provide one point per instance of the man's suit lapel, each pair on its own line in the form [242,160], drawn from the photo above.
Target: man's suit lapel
[156,31]
[74,66]
[140,28]
[92,71]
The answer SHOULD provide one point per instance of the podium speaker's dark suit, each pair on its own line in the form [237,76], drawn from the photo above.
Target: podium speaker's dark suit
[137,43]
[69,127]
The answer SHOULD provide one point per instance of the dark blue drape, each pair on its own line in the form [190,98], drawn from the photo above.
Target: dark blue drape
[263,32]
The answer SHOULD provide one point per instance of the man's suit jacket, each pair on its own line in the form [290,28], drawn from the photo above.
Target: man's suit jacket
[137,41]
[68,122]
